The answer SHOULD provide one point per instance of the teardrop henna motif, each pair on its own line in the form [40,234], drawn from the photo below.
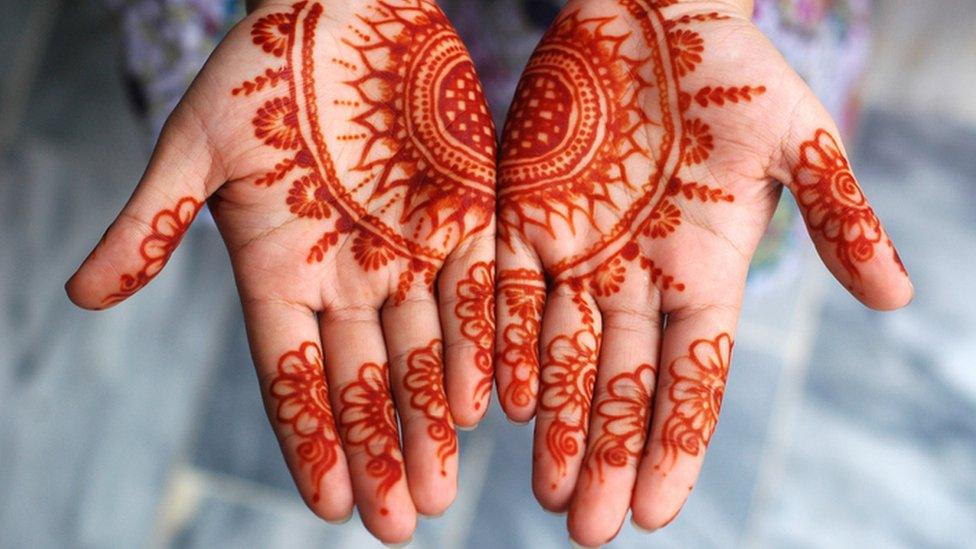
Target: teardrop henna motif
[369,423]
[624,415]
[475,309]
[424,382]
[695,395]
[302,397]
[832,202]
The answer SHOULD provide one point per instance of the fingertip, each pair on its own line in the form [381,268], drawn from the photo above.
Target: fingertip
[649,516]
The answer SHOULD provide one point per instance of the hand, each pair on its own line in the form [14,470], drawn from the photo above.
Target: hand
[639,169]
[349,160]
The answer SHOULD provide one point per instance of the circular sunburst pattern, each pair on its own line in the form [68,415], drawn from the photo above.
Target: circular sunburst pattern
[579,149]
[387,127]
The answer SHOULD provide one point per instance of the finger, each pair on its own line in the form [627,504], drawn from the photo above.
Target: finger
[467,313]
[619,421]
[361,396]
[847,233]
[695,354]
[147,231]
[285,346]
[571,336]
[520,298]
[416,367]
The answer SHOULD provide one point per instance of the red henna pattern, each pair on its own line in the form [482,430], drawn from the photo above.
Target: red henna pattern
[568,376]
[832,202]
[696,391]
[624,416]
[424,382]
[369,423]
[523,294]
[589,113]
[424,178]
[301,393]
[719,95]
[475,309]
[168,228]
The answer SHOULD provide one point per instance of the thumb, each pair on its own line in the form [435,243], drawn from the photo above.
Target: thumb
[141,239]
[848,235]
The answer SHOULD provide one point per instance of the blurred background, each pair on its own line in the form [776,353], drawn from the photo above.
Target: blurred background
[142,426]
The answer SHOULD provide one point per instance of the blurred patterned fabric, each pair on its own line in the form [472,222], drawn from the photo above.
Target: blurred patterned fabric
[826,41]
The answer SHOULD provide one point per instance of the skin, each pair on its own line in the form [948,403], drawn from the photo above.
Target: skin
[621,359]
[357,342]
[351,349]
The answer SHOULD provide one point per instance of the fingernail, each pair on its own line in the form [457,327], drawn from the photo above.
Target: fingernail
[640,528]
[576,545]
[555,513]
[466,429]
[398,545]
[519,423]
[341,521]
[438,515]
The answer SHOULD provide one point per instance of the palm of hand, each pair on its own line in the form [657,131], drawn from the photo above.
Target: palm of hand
[636,179]
[350,160]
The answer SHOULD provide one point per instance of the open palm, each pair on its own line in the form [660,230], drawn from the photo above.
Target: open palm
[349,161]
[639,168]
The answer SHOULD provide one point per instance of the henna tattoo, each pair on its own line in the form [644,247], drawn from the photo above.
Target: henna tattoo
[594,109]
[475,309]
[167,230]
[624,414]
[589,115]
[733,94]
[423,381]
[301,393]
[422,178]
[568,376]
[696,391]
[523,293]
[832,202]
[369,423]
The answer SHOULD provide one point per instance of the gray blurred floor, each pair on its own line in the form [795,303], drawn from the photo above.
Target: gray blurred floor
[142,426]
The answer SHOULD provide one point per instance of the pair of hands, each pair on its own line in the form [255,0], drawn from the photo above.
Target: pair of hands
[349,159]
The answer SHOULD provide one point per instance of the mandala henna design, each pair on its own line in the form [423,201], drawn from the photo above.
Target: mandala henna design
[523,294]
[832,202]
[697,388]
[588,116]
[624,414]
[423,174]
[599,103]
[301,393]
[475,309]
[369,423]
[423,380]
[168,228]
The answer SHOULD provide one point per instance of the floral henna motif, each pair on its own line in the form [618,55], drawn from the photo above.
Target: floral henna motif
[422,175]
[523,294]
[475,309]
[369,423]
[697,388]
[624,414]
[568,376]
[832,202]
[301,393]
[168,228]
[423,381]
